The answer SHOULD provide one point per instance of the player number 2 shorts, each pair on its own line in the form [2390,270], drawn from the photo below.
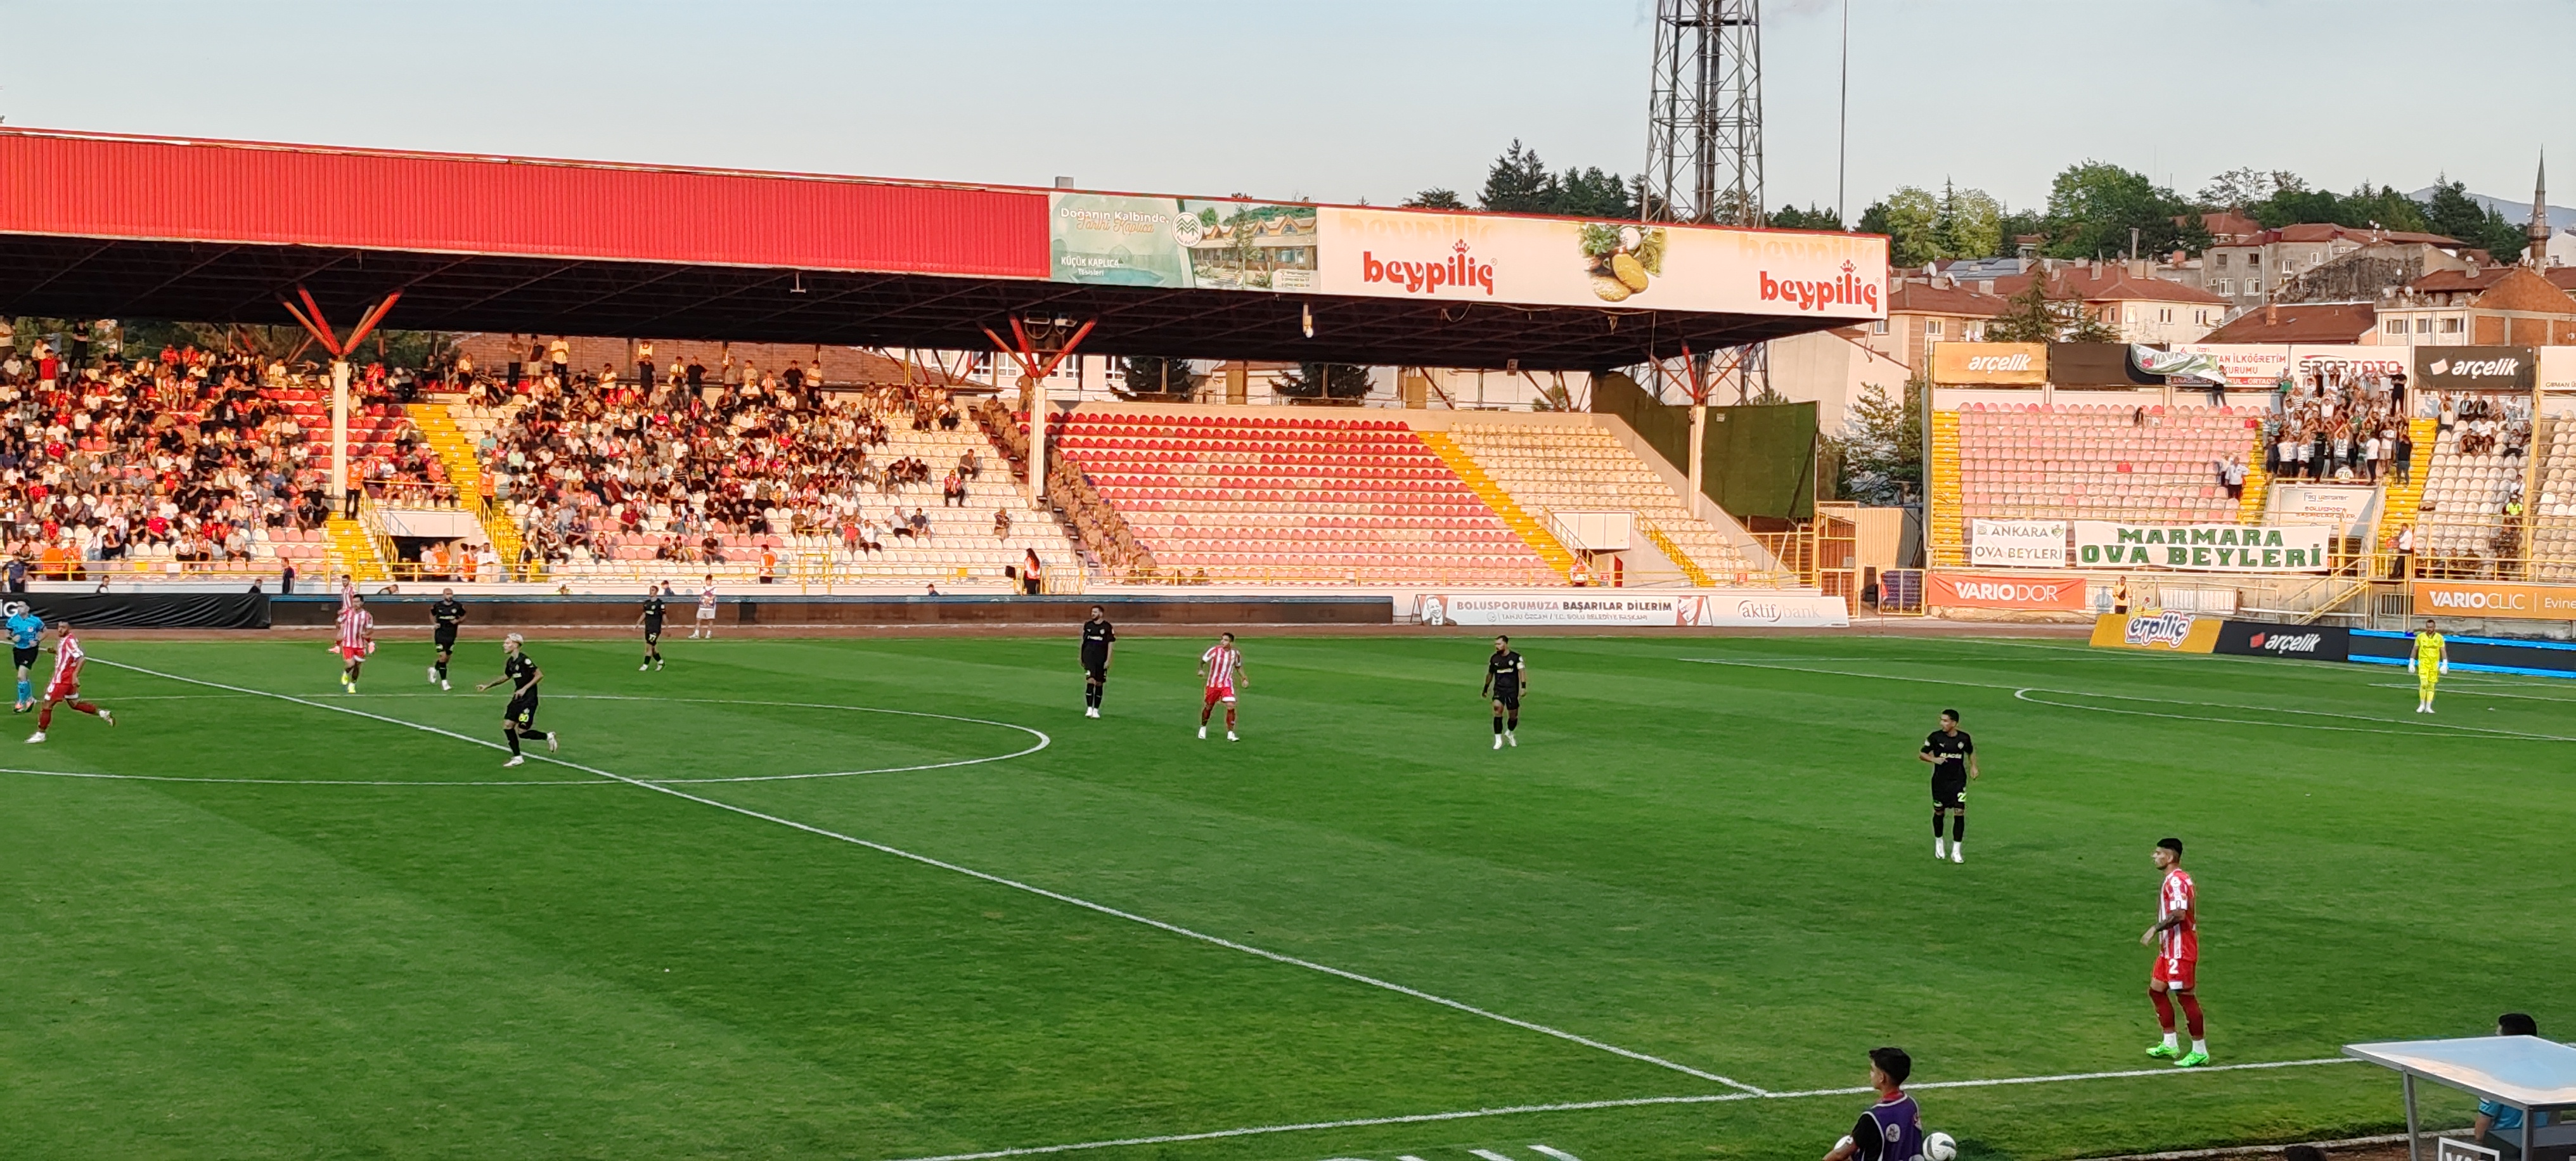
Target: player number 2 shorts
[2171,973]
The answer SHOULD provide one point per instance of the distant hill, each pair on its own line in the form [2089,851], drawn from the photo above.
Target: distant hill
[2514,210]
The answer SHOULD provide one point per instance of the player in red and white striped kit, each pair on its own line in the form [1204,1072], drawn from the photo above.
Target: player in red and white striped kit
[1222,668]
[357,639]
[65,686]
[2176,938]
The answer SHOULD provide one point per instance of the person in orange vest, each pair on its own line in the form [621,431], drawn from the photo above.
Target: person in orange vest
[768,565]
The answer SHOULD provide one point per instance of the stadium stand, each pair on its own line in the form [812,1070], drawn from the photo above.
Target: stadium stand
[1548,468]
[2553,521]
[190,463]
[2480,455]
[2096,462]
[1294,500]
[842,487]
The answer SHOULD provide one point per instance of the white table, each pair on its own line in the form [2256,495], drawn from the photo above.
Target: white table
[2525,1072]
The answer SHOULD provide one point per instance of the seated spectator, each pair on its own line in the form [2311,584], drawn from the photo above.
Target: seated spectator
[1001,524]
[2499,1125]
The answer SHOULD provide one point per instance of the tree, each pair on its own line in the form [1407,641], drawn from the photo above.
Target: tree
[1153,377]
[1590,193]
[1324,382]
[2093,206]
[1907,217]
[2453,213]
[1967,224]
[2031,317]
[1435,198]
[1813,217]
[2084,326]
[1881,445]
[1519,182]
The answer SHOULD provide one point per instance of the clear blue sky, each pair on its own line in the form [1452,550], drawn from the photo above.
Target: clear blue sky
[1333,99]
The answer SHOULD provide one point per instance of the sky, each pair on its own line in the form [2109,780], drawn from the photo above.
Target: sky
[1335,100]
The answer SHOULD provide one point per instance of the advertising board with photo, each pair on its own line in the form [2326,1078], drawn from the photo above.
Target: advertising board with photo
[1124,240]
[1738,609]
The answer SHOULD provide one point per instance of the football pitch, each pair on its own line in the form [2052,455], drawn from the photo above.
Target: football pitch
[896,898]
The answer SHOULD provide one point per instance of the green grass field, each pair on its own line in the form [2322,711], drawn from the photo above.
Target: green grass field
[1706,851]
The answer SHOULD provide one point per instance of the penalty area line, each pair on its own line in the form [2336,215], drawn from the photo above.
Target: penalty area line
[1588,1106]
[997,880]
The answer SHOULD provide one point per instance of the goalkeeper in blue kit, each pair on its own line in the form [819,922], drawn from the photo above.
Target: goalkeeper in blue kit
[26,632]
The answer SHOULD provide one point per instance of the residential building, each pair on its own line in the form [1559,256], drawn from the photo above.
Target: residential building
[2245,271]
[2490,306]
[1920,313]
[2301,322]
[2130,298]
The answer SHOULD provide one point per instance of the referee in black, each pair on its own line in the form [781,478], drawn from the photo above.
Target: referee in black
[1506,676]
[1097,637]
[446,615]
[1953,756]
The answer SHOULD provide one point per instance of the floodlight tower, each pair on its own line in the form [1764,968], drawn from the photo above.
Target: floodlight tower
[1704,116]
[1704,156]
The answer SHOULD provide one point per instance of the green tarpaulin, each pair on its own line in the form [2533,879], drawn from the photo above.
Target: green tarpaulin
[1755,460]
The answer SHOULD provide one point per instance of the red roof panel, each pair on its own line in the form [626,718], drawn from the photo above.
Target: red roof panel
[229,192]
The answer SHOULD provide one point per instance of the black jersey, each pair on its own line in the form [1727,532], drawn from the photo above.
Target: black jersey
[522,672]
[1505,668]
[448,613]
[1096,636]
[1949,753]
[653,609]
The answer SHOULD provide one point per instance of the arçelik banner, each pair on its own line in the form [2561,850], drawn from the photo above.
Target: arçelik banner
[1996,364]
[2156,632]
[2293,642]
[2475,369]
[1641,609]
[1965,591]
[2201,547]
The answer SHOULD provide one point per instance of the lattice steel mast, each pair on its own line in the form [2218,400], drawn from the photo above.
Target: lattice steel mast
[1704,146]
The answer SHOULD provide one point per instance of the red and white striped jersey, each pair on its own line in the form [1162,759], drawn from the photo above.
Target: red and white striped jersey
[67,662]
[2182,940]
[355,628]
[1223,662]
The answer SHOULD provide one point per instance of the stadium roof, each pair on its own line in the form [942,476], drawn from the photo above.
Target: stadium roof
[108,226]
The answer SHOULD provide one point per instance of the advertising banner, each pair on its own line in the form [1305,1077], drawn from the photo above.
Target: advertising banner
[1121,240]
[1565,262]
[2470,654]
[2296,642]
[1640,609]
[2474,369]
[2160,632]
[1962,591]
[2201,547]
[1990,364]
[2344,507]
[2252,366]
[2495,599]
[2017,543]
[2350,360]
[2096,365]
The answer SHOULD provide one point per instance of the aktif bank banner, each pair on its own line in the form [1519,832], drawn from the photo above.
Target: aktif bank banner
[2201,547]
[1123,240]
[1613,607]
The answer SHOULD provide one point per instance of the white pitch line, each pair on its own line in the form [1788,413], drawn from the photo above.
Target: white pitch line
[2020,692]
[1626,1103]
[284,781]
[926,860]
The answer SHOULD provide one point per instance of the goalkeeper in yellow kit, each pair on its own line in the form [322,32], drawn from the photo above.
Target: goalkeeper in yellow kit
[2431,659]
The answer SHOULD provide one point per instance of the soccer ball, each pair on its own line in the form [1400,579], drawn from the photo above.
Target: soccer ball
[1939,1147]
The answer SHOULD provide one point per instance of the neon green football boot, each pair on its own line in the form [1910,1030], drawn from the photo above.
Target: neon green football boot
[2164,1052]
[2192,1059]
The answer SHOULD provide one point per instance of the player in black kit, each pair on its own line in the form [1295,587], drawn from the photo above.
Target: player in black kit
[1506,678]
[1954,761]
[519,720]
[448,613]
[1097,637]
[652,623]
